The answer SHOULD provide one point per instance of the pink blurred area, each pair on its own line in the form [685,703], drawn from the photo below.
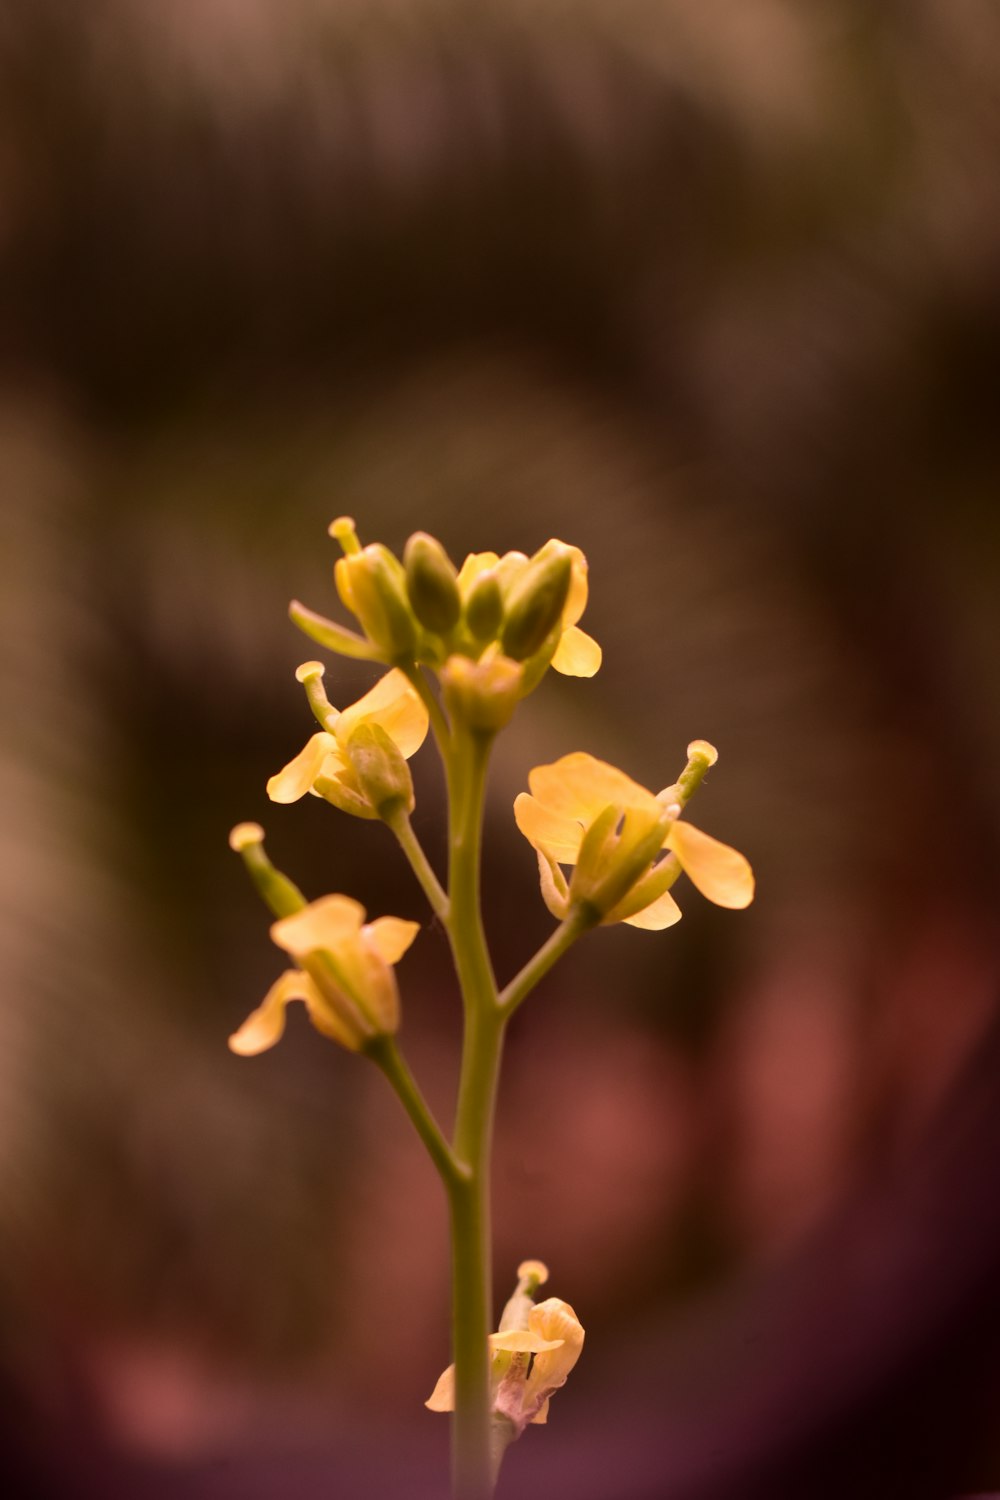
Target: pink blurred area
[710,292]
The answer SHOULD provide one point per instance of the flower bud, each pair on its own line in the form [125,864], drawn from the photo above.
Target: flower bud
[372,585]
[381,770]
[484,606]
[536,601]
[431,584]
[481,695]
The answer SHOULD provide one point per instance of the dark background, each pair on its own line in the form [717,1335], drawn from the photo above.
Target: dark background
[712,291]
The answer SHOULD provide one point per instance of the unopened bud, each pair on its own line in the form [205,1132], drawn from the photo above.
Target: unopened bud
[536,601]
[484,606]
[431,582]
[381,770]
[372,584]
[481,695]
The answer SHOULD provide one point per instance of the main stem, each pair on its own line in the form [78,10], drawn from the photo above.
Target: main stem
[469,1196]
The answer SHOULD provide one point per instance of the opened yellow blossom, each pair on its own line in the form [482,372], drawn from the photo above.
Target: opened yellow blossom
[325,766]
[584,813]
[577,654]
[344,978]
[528,1362]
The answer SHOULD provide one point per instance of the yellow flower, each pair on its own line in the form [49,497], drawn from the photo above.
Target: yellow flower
[577,654]
[345,979]
[324,765]
[585,813]
[527,1364]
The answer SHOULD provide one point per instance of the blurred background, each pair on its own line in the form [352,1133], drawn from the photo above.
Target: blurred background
[712,292]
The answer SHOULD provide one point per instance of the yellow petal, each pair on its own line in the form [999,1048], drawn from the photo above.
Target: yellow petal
[576,601]
[324,924]
[295,779]
[342,579]
[555,891]
[661,913]
[390,937]
[555,1321]
[266,1025]
[523,1341]
[442,1397]
[395,706]
[577,654]
[720,873]
[580,786]
[555,832]
[475,563]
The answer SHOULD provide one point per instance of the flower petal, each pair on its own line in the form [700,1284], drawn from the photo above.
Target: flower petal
[577,654]
[266,1025]
[295,779]
[555,891]
[576,601]
[580,786]
[324,924]
[394,705]
[390,937]
[555,832]
[661,913]
[720,873]
[442,1398]
[474,564]
[524,1341]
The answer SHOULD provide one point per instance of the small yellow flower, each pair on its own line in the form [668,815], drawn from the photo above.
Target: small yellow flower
[324,765]
[577,654]
[345,979]
[527,1364]
[585,813]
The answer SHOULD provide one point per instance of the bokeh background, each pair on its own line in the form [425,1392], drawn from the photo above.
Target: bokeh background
[712,291]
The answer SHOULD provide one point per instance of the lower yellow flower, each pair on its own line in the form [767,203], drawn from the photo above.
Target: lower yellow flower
[528,1363]
[345,976]
[587,814]
[325,767]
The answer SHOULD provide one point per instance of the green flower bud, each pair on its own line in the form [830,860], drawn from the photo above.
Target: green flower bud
[372,584]
[481,695]
[431,584]
[381,770]
[536,601]
[484,606]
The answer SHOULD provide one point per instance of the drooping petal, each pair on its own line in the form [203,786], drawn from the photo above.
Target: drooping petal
[720,872]
[555,891]
[580,786]
[394,705]
[555,832]
[661,913]
[557,1323]
[577,654]
[295,779]
[325,924]
[390,937]
[266,1025]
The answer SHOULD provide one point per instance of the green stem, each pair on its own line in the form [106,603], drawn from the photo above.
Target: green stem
[420,864]
[469,1200]
[386,1054]
[435,713]
[565,935]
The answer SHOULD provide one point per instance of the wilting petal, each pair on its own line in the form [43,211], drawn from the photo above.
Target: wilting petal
[324,924]
[390,937]
[720,873]
[577,654]
[394,705]
[557,1323]
[295,779]
[266,1025]
[555,832]
[580,786]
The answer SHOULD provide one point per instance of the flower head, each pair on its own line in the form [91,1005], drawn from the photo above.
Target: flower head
[565,646]
[586,814]
[531,1355]
[344,977]
[336,763]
